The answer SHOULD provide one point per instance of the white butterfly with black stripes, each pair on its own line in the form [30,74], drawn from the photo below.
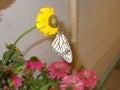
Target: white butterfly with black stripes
[61,47]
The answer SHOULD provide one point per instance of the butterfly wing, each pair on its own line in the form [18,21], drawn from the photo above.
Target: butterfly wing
[61,47]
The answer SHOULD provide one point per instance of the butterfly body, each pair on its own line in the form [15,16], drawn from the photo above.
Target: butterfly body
[61,46]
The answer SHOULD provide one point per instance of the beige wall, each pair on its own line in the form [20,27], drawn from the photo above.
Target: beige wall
[20,15]
[99,33]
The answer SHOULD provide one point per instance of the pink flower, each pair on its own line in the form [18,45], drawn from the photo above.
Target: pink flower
[59,69]
[89,77]
[73,82]
[17,81]
[34,63]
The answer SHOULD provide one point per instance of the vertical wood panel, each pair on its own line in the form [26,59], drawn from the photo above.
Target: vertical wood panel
[74,15]
[99,33]
[74,31]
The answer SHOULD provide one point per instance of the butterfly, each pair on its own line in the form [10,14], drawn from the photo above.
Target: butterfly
[61,47]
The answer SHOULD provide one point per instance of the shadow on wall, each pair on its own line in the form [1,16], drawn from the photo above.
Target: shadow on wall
[36,43]
[4,4]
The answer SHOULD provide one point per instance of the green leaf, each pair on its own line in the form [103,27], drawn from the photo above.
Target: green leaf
[6,54]
[45,87]
[82,67]
[3,75]
[38,83]
[55,83]
[0,62]
[41,84]
[16,55]
[35,88]
[68,88]
[17,63]
[19,69]
[86,88]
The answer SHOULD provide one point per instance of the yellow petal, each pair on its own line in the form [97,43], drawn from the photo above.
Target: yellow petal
[47,10]
[40,18]
[54,31]
[44,31]
[49,30]
[40,25]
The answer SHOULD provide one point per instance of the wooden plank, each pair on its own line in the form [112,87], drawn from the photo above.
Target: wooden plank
[74,32]
[73,17]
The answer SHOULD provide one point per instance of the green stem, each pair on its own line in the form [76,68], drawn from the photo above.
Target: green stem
[29,30]
[29,80]
[17,40]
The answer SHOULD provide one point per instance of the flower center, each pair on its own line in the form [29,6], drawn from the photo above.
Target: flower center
[53,21]
[72,84]
[34,59]
[59,68]
[86,75]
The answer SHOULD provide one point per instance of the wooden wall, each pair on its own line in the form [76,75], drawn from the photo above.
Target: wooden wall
[98,33]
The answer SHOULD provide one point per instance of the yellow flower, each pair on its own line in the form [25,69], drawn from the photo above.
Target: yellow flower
[47,22]
[11,84]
